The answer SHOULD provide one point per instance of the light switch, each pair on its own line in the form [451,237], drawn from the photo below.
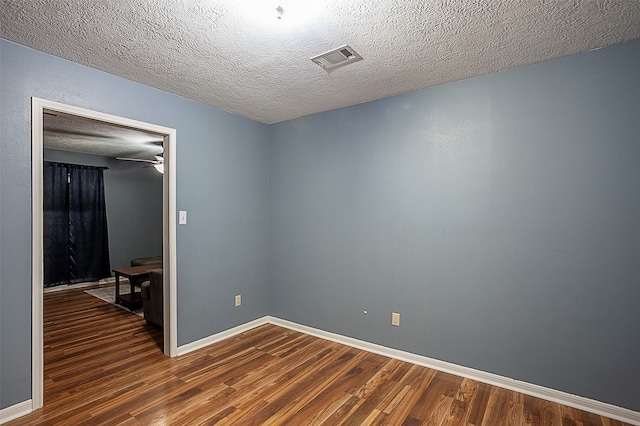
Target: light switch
[183,217]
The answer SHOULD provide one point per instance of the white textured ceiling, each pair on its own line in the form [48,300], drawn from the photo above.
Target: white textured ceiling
[235,54]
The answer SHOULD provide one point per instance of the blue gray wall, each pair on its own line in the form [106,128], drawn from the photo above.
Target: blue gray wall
[222,175]
[500,216]
[133,196]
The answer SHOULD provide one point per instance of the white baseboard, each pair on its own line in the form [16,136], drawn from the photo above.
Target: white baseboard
[575,401]
[18,410]
[206,341]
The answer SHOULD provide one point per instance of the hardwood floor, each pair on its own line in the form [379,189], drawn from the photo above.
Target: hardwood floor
[104,366]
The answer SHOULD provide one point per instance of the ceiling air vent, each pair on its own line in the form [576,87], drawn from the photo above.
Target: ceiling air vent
[337,58]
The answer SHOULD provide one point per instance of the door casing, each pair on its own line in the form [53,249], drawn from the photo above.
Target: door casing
[38,107]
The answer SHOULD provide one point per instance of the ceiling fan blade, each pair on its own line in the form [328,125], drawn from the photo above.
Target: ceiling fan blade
[142,160]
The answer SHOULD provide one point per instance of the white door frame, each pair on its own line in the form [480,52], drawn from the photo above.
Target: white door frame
[38,106]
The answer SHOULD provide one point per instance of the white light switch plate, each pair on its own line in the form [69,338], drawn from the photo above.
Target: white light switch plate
[183,217]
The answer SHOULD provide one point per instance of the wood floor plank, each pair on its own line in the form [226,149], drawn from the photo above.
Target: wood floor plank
[104,366]
[497,407]
[416,381]
[436,398]
[320,408]
[292,394]
[478,406]
[297,396]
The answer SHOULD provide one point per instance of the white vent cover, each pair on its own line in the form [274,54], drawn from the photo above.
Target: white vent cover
[337,58]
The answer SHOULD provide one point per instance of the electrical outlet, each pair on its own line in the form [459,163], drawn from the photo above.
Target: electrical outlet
[395,319]
[238,300]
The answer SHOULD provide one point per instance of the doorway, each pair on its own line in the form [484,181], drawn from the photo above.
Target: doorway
[39,107]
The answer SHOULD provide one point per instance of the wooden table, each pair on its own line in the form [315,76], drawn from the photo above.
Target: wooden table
[135,274]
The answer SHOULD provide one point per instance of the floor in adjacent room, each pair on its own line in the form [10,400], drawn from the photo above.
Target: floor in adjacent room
[104,366]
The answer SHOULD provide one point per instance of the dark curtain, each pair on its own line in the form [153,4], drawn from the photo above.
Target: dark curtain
[76,246]
[56,224]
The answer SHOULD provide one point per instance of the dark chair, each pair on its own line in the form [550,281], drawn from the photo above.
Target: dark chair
[152,302]
[139,261]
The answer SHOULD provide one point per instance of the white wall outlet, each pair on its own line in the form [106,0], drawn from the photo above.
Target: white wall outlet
[238,300]
[395,319]
[182,217]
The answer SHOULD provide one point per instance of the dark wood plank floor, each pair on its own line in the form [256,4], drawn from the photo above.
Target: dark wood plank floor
[104,366]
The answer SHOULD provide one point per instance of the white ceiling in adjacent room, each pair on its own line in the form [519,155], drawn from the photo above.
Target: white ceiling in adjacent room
[72,133]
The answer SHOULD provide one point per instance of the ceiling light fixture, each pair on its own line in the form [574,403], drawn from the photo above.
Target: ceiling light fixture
[284,15]
[159,165]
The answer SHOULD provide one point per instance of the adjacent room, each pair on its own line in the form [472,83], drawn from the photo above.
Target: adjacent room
[102,211]
[128,196]
[421,212]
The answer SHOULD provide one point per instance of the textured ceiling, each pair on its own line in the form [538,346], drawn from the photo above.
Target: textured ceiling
[235,54]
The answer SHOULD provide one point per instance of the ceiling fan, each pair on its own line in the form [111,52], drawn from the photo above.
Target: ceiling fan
[158,163]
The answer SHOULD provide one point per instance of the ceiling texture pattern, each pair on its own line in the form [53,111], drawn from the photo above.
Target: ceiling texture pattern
[236,55]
